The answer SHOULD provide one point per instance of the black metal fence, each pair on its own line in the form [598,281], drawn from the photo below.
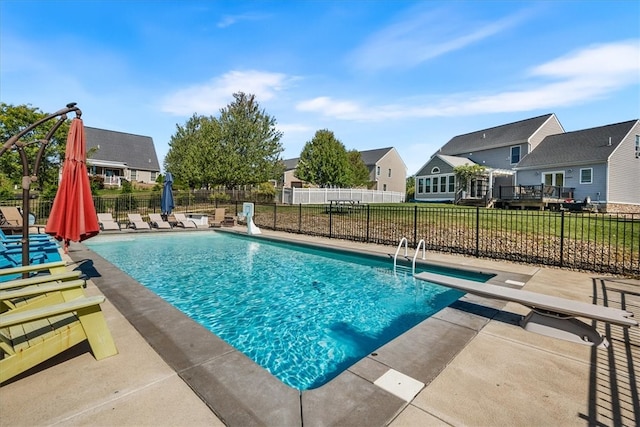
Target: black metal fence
[606,243]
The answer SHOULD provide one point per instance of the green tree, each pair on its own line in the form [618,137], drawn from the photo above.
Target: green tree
[359,172]
[192,152]
[410,188]
[324,161]
[250,144]
[14,119]
[241,147]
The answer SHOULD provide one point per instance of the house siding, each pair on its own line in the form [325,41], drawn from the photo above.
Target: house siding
[398,179]
[551,127]
[624,171]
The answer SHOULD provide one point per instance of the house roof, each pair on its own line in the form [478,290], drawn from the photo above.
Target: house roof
[455,161]
[369,157]
[136,151]
[581,146]
[290,164]
[499,136]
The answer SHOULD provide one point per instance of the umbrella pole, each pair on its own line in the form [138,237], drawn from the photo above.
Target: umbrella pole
[27,177]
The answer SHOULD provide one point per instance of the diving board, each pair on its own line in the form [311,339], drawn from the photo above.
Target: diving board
[553,316]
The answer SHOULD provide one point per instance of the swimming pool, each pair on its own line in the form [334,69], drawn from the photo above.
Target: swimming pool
[303,314]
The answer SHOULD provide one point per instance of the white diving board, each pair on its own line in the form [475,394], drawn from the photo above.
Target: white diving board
[552,316]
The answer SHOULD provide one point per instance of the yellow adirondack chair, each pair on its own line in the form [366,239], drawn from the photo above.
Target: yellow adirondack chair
[30,337]
[40,319]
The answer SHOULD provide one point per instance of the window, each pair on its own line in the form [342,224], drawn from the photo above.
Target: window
[452,183]
[435,184]
[421,185]
[384,187]
[134,174]
[378,171]
[389,173]
[515,154]
[443,184]
[154,176]
[637,146]
[427,185]
[586,176]
[435,170]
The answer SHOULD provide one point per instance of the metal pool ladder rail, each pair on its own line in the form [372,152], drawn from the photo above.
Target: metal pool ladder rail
[422,244]
[406,248]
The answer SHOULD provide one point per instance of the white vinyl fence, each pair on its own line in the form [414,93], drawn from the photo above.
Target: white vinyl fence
[315,196]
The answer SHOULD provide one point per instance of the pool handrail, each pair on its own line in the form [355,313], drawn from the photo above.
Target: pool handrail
[424,255]
[406,249]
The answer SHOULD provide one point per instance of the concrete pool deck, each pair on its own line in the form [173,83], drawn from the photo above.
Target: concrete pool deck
[477,365]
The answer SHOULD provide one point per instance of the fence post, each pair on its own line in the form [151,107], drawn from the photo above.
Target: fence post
[300,218]
[368,219]
[275,215]
[561,238]
[415,224]
[477,231]
[330,220]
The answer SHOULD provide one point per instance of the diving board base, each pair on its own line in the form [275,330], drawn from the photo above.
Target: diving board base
[564,328]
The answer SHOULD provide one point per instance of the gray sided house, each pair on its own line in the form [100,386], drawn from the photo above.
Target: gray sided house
[600,164]
[387,170]
[117,155]
[498,149]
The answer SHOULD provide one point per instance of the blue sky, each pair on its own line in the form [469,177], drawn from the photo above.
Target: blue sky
[405,74]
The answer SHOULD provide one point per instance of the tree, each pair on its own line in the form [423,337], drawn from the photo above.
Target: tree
[359,172]
[241,147]
[14,119]
[324,161]
[250,144]
[192,152]
[410,188]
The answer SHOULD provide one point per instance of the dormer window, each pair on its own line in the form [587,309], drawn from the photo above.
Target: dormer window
[515,154]
[435,170]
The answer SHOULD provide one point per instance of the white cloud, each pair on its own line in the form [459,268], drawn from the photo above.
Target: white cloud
[210,97]
[424,35]
[228,20]
[579,77]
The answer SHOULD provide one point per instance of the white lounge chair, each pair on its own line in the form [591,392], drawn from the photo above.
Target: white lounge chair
[551,316]
[136,222]
[107,222]
[183,221]
[157,222]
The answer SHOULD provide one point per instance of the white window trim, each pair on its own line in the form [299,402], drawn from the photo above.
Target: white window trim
[590,176]
[435,170]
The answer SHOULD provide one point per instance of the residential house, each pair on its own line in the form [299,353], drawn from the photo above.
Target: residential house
[600,165]
[387,170]
[116,155]
[498,149]
[289,180]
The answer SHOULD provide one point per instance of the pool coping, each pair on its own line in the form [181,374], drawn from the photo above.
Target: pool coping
[240,392]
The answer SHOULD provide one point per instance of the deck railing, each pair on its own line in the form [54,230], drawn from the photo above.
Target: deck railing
[534,192]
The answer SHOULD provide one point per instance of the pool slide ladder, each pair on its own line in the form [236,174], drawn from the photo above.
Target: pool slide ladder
[421,244]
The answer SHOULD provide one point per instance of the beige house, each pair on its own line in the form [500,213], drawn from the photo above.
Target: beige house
[117,155]
[387,170]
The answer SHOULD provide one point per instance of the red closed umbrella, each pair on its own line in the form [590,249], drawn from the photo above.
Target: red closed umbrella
[73,215]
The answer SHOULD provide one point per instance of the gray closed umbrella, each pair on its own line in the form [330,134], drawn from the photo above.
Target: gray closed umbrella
[166,202]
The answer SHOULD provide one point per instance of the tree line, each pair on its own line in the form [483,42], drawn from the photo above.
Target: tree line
[239,147]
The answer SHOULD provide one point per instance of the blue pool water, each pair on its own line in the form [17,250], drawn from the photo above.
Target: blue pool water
[304,314]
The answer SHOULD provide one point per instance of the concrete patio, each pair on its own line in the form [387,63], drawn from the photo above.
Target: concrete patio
[478,367]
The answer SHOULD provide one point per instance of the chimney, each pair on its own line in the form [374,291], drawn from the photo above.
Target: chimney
[609,144]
